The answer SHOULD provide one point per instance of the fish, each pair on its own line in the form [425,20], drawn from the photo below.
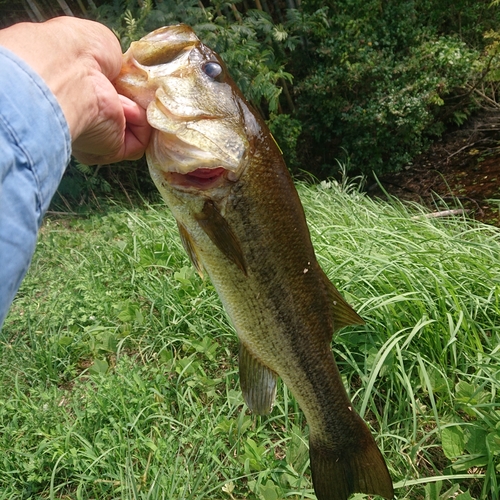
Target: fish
[241,222]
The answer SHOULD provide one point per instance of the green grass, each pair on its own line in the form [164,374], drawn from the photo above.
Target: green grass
[119,366]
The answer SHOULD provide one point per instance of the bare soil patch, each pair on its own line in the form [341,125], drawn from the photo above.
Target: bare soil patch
[460,171]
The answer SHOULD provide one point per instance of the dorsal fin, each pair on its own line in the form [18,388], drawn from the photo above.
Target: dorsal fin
[343,314]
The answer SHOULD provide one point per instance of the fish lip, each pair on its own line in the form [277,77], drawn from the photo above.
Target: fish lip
[201,178]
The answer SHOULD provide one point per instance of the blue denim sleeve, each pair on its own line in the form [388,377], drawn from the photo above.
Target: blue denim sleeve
[35,148]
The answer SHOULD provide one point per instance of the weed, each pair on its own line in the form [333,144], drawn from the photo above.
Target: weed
[119,367]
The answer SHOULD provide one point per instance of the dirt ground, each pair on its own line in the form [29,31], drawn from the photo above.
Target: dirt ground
[461,171]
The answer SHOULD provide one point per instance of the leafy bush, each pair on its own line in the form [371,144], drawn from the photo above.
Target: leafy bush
[286,131]
[373,82]
[380,85]
[252,46]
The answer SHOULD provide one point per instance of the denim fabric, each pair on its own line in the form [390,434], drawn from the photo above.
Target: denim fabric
[35,148]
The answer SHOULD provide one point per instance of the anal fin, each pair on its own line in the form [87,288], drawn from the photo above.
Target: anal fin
[257,381]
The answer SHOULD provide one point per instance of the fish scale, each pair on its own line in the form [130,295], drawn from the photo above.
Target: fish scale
[242,223]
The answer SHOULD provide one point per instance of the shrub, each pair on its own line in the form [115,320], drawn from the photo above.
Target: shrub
[374,82]
[380,86]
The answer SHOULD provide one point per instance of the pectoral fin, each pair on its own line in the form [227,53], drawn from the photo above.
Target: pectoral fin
[218,230]
[258,383]
[190,248]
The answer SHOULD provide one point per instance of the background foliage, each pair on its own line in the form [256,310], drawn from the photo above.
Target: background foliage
[371,83]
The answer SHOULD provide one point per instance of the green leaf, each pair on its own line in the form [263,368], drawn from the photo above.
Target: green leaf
[269,491]
[464,496]
[453,442]
[468,462]
[464,390]
[438,382]
[100,366]
[468,395]
[476,443]
[493,443]
[65,341]
[432,490]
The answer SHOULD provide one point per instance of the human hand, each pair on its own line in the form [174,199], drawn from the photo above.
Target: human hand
[78,59]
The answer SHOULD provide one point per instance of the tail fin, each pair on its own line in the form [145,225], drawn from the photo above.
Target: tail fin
[359,469]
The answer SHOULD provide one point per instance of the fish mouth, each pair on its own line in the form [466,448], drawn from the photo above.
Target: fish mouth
[200,178]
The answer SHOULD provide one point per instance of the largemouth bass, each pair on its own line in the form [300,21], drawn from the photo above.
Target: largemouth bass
[241,221]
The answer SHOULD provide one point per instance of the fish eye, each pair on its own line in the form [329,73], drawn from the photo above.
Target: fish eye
[212,69]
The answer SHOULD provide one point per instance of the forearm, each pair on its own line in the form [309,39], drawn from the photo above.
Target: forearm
[35,148]
[56,98]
